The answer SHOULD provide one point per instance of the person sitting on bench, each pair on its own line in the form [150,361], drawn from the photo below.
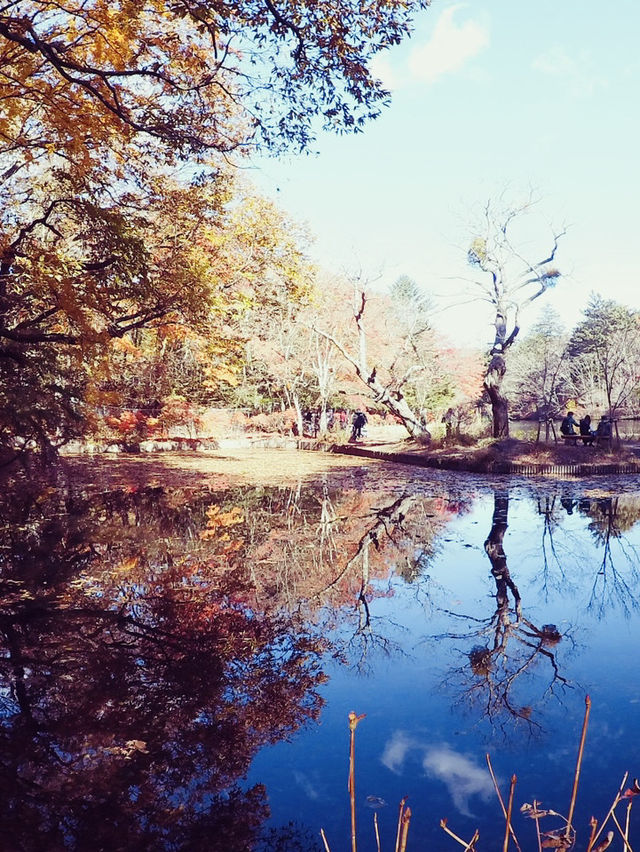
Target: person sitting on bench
[604,429]
[588,434]
[569,424]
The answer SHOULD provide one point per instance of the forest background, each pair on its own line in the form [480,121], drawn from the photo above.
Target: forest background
[143,277]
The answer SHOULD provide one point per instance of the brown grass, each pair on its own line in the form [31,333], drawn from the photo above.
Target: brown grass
[488,454]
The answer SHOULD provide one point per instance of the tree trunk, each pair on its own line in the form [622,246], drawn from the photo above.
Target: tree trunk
[323,420]
[298,409]
[398,406]
[393,400]
[499,403]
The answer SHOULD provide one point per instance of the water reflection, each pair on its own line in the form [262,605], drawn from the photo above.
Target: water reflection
[508,646]
[138,679]
[610,519]
[615,575]
[156,639]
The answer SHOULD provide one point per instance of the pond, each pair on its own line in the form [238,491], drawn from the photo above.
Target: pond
[183,640]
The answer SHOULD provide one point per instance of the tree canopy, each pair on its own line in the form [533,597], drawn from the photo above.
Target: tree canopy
[119,209]
[198,76]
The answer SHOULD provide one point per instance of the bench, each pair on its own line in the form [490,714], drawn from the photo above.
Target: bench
[588,440]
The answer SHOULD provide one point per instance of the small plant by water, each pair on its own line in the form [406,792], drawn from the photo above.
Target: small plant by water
[562,838]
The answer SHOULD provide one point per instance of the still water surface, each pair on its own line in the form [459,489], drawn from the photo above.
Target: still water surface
[181,651]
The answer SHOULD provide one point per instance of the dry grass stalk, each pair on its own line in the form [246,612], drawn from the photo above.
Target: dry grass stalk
[399,829]
[375,826]
[472,843]
[596,834]
[593,823]
[507,831]
[353,724]
[406,819]
[500,799]
[576,778]
[622,833]
[324,840]
[626,823]
[469,845]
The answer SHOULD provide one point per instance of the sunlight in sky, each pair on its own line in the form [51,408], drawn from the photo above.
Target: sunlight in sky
[491,97]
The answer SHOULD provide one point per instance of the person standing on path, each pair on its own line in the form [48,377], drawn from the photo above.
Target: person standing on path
[359,422]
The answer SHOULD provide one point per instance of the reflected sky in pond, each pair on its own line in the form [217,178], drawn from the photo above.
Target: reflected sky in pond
[179,655]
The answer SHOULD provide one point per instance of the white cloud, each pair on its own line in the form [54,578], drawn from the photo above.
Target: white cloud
[305,783]
[396,750]
[381,68]
[451,45]
[463,777]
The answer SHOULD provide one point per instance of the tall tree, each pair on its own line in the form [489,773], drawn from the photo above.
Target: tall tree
[510,280]
[605,345]
[102,103]
[539,377]
[386,381]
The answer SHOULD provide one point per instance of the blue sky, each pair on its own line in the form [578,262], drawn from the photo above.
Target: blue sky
[488,96]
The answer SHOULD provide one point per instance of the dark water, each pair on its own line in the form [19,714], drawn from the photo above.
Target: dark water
[179,658]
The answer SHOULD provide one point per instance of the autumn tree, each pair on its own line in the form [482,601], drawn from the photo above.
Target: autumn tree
[509,279]
[197,77]
[258,276]
[102,105]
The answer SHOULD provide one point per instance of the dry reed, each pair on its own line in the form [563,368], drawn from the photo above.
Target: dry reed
[562,839]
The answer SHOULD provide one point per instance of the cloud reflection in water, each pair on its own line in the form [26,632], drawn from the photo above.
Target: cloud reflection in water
[461,774]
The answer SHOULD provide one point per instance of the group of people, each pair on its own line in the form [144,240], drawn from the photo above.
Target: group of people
[335,419]
[569,426]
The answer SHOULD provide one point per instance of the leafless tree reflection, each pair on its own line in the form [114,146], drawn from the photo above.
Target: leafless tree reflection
[384,528]
[617,578]
[554,553]
[509,649]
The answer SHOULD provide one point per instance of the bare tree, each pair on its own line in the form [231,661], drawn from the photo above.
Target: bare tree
[390,390]
[605,352]
[509,281]
[539,378]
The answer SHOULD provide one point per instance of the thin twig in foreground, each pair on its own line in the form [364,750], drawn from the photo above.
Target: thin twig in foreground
[353,724]
[324,840]
[593,839]
[505,845]
[499,795]
[537,819]
[375,825]
[574,792]
[444,827]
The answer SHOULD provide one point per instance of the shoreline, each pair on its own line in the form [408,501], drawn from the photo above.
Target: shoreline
[510,457]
